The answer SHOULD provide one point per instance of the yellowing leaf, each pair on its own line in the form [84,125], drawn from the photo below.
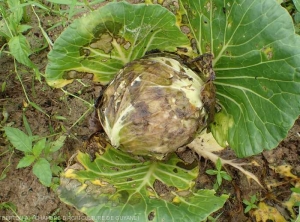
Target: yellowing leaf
[99,183]
[265,213]
[132,189]
[209,142]
[81,188]
[284,170]
[295,197]
[70,173]
[105,40]
[176,200]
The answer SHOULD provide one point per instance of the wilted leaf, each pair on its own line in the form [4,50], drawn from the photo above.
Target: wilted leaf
[157,190]
[108,38]
[256,60]
[286,175]
[266,213]
[292,202]
[284,171]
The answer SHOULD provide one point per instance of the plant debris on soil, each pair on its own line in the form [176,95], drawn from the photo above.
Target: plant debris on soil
[278,169]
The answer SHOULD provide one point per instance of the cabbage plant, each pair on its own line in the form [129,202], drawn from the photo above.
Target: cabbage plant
[156,105]
[255,54]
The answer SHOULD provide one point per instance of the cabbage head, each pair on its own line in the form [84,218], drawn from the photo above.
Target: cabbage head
[153,106]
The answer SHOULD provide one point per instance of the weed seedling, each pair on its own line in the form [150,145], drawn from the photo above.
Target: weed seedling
[39,154]
[10,206]
[250,204]
[12,29]
[219,173]
[7,164]
[54,217]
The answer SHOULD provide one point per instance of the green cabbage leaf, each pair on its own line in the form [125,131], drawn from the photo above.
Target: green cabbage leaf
[117,186]
[256,60]
[102,42]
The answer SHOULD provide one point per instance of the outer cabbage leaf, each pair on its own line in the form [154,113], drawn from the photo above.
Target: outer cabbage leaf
[105,40]
[256,60]
[117,186]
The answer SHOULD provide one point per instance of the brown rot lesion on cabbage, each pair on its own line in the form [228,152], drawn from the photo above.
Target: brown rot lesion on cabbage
[74,74]
[202,64]
[155,105]
[96,143]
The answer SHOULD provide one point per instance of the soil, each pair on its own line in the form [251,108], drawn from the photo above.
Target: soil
[31,199]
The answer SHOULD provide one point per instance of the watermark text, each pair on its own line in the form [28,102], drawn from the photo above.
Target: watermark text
[70,218]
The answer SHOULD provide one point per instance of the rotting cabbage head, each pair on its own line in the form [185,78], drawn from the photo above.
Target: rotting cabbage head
[153,106]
